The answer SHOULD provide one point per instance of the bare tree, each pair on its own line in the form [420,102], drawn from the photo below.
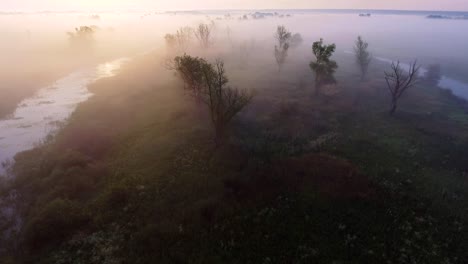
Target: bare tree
[398,82]
[210,84]
[283,36]
[183,37]
[203,34]
[323,66]
[363,57]
[223,101]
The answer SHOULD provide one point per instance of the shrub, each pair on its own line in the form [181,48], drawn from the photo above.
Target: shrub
[54,224]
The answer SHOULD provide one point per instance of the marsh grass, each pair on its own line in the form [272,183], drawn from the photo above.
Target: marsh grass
[135,175]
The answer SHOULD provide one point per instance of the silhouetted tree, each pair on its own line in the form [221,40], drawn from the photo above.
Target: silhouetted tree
[283,36]
[183,37]
[190,70]
[296,40]
[323,66]
[210,84]
[223,101]
[363,57]
[82,37]
[171,41]
[398,82]
[433,75]
[280,55]
[203,34]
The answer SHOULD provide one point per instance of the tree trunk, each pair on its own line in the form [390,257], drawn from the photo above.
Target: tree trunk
[317,85]
[393,107]
[220,135]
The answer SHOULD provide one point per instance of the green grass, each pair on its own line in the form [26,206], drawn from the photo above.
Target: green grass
[134,177]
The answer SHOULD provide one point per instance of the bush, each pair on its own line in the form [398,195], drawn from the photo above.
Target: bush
[54,224]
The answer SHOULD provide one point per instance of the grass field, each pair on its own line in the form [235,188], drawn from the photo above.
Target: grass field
[135,177]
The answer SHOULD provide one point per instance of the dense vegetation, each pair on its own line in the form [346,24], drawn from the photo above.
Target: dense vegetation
[307,175]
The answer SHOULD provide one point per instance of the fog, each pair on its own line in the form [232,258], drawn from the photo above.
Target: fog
[35,48]
[37,51]
[122,131]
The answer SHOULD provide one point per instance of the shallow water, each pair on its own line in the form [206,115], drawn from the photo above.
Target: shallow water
[41,115]
[457,87]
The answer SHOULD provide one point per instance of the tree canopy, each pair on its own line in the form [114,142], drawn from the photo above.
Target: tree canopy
[323,66]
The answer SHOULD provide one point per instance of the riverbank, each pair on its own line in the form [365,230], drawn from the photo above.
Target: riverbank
[39,117]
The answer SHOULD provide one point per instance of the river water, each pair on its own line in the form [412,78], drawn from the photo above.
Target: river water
[41,115]
[458,88]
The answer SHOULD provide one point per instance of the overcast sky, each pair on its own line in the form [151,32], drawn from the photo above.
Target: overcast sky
[455,5]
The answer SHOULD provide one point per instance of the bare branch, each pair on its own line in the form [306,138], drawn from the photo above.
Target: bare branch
[398,81]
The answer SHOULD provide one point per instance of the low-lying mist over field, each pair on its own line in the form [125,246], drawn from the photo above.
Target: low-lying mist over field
[36,49]
[234,136]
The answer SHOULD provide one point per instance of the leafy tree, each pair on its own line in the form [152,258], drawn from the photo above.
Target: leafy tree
[210,84]
[171,41]
[281,54]
[283,36]
[223,101]
[54,223]
[398,82]
[296,40]
[203,34]
[323,66]
[190,70]
[82,37]
[363,57]
[180,40]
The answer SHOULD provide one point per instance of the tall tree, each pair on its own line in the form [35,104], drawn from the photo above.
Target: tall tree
[190,70]
[223,101]
[283,36]
[323,66]
[203,34]
[399,82]
[363,57]
[281,54]
[209,83]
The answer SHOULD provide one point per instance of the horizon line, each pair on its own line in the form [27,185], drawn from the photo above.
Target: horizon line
[222,9]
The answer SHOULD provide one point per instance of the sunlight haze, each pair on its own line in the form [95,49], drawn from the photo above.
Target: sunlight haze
[233,131]
[84,5]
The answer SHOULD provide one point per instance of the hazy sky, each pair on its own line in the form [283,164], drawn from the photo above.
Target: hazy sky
[456,5]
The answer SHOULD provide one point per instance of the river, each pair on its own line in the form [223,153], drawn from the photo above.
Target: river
[41,115]
[457,87]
